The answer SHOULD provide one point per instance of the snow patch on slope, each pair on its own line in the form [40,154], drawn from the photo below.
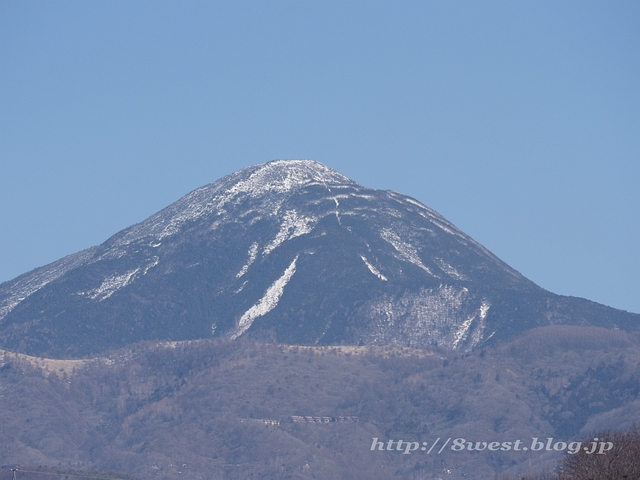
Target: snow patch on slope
[292,226]
[115,282]
[335,199]
[407,251]
[154,261]
[111,285]
[253,253]
[373,269]
[267,303]
[462,332]
[443,317]
[449,270]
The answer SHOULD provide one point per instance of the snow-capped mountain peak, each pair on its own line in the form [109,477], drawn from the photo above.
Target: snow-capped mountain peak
[288,250]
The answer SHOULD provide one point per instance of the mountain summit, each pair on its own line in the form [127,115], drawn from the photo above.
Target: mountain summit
[288,251]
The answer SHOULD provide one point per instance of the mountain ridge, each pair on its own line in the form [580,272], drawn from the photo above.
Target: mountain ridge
[289,250]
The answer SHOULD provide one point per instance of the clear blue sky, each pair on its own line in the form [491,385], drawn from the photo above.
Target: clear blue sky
[517,120]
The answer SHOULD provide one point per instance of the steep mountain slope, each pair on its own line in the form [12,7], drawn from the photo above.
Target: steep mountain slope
[290,251]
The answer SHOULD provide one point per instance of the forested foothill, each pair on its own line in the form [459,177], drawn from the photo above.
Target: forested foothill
[217,409]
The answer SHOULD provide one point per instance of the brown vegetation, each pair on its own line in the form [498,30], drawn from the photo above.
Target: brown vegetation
[620,462]
[218,409]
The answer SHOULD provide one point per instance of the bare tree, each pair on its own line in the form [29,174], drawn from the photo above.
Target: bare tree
[620,461]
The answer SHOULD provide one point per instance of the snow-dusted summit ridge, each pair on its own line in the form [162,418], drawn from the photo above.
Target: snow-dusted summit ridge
[277,178]
[229,242]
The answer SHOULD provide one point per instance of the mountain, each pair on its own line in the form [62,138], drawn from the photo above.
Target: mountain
[288,251]
[279,322]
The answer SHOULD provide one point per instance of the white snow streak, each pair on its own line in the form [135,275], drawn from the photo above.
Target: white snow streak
[449,270]
[241,287]
[292,226]
[335,199]
[253,253]
[373,269]
[461,333]
[153,263]
[484,308]
[268,302]
[406,251]
[111,285]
